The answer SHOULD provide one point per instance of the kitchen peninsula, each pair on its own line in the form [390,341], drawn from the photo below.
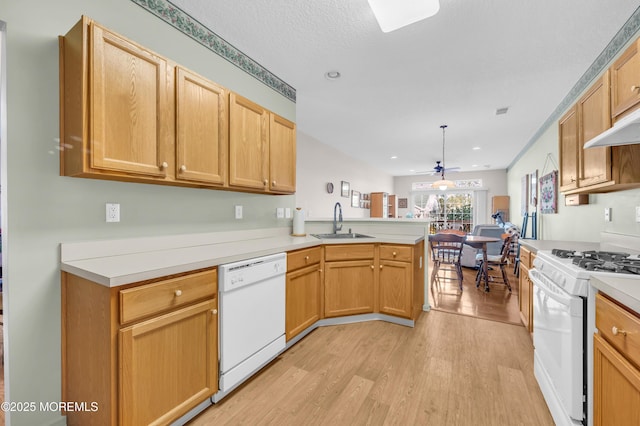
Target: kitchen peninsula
[123,300]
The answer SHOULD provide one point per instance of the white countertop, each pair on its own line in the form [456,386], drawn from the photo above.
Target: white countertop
[535,245]
[624,290]
[116,262]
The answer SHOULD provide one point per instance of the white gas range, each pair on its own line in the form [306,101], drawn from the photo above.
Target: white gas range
[564,319]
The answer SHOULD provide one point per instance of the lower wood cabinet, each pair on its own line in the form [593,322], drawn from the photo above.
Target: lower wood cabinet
[616,381]
[146,353]
[401,280]
[349,287]
[367,278]
[304,290]
[525,292]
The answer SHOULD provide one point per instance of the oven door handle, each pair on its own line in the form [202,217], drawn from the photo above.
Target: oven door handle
[554,293]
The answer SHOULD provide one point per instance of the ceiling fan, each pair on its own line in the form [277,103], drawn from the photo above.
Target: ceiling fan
[439,169]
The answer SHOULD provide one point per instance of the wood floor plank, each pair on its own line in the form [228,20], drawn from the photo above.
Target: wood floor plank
[448,369]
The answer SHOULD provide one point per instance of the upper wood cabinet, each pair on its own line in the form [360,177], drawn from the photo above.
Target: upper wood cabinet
[127,113]
[594,117]
[282,155]
[248,144]
[599,169]
[115,108]
[568,131]
[201,129]
[262,148]
[625,82]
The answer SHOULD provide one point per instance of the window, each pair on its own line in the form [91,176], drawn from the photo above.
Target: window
[445,210]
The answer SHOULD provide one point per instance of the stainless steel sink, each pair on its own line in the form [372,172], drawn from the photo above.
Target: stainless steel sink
[341,236]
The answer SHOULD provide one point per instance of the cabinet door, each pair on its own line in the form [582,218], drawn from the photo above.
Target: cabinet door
[616,387]
[525,297]
[395,288]
[168,364]
[128,106]
[248,144]
[201,129]
[594,117]
[282,155]
[568,130]
[348,288]
[625,82]
[302,300]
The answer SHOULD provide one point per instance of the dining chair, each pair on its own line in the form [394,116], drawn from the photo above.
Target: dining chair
[446,248]
[500,261]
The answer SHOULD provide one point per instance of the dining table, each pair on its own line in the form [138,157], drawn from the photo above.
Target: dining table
[480,242]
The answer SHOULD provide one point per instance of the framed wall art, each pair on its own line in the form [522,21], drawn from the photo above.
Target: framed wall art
[533,189]
[524,196]
[355,198]
[344,189]
[549,193]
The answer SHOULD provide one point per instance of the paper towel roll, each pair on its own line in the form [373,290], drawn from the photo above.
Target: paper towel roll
[298,222]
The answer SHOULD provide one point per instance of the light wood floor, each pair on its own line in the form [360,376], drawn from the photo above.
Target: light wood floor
[448,370]
[497,305]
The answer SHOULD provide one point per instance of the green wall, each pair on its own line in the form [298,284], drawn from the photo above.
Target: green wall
[44,209]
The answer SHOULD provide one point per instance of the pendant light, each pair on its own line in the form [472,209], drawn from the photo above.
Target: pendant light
[443,184]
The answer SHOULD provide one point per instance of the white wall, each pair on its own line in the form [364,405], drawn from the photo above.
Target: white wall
[493,181]
[318,164]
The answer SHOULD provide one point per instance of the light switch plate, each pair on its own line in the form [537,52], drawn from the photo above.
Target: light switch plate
[280,213]
[287,212]
[637,213]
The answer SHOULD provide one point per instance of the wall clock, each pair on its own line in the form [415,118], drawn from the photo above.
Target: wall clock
[330,188]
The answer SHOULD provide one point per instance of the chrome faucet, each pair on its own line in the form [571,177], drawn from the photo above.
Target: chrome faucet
[339,218]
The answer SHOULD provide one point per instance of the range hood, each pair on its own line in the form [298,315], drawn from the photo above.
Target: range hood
[625,132]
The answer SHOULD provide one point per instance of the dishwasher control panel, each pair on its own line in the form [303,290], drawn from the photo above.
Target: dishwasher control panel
[251,271]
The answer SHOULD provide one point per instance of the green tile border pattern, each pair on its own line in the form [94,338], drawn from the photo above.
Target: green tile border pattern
[628,31]
[176,17]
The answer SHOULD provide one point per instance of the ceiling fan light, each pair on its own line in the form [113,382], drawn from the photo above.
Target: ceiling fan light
[443,184]
[392,15]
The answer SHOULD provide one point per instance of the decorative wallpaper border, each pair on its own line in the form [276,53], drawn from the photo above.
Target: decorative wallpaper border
[628,31]
[177,18]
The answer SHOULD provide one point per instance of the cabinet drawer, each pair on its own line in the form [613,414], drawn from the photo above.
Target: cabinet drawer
[525,257]
[348,252]
[391,252]
[305,257]
[146,300]
[610,319]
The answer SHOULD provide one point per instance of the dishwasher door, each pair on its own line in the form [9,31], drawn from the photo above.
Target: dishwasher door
[252,316]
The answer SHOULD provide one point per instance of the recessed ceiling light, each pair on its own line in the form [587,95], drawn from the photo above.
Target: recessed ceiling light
[332,75]
[474,165]
[501,111]
[393,157]
[475,148]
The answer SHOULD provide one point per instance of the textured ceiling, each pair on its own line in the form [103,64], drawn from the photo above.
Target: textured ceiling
[396,89]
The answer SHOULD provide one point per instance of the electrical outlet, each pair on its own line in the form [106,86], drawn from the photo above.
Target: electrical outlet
[638,214]
[280,213]
[113,212]
[607,214]
[238,212]
[287,212]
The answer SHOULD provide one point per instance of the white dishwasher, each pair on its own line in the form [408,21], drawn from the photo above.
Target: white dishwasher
[252,316]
